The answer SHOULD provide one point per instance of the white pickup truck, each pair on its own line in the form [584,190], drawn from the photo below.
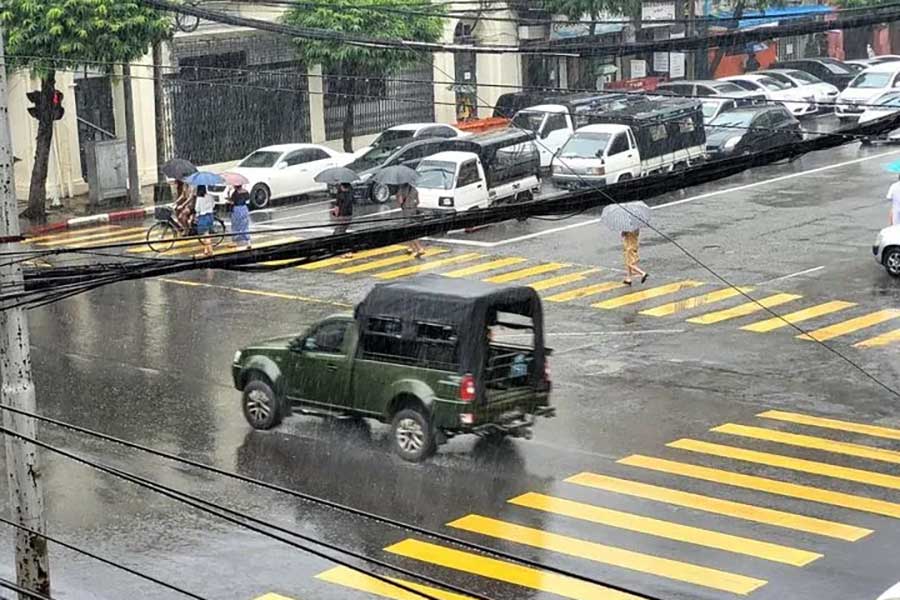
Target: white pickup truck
[655,136]
[487,169]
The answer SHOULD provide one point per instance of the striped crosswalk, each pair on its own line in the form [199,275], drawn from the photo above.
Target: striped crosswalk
[573,522]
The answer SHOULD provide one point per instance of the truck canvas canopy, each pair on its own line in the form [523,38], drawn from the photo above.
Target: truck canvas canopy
[506,154]
[468,307]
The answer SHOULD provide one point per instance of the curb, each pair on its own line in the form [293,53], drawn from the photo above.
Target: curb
[110,217]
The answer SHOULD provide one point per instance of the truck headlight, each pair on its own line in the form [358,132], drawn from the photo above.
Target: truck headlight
[731,143]
[445,201]
[237,357]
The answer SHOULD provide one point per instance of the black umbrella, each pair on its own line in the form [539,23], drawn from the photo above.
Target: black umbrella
[336,175]
[178,168]
[396,175]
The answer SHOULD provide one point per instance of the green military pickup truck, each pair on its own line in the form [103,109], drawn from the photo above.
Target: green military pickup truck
[424,355]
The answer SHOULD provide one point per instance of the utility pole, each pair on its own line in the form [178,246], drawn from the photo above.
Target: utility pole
[16,386]
[162,193]
[134,183]
[691,32]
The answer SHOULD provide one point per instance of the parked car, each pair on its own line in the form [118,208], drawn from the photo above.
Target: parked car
[799,101]
[824,93]
[713,107]
[865,87]
[394,137]
[887,249]
[418,354]
[492,168]
[751,129]
[655,136]
[379,157]
[712,88]
[287,170]
[829,70]
[886,104]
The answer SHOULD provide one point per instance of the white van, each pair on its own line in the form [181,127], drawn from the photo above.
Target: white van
[865,87]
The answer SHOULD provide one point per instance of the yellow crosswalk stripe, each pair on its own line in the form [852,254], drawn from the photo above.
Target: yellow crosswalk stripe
[265,244]
[666,529]
[341,260]
[117,239]
[584,292]
[498,570]
[560,280]
[689,303]
[798,316]
[885,339]
[809,441]
[742,310]
[70,234]
[277,263]
[387,262]
[485,267]
[356,580]
[143,249]
[836,424]
[771,486]
[619,557]
[788,462]
[728,508]
[272,596]
[427,266]
[94,237]
[656,292]
[851,325]
[528,272]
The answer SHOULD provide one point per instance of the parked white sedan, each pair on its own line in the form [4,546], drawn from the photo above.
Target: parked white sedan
[287,170]
[798,100]
[886,104]
[887,250]
[824,93]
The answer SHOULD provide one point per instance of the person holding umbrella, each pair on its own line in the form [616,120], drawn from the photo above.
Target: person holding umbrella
[240,209]
[408,198]
[628,218]
[205,207]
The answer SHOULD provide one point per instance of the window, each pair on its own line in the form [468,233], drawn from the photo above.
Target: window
[727,88]
[619,145]
[747,85]
[657,133]
[685,125]
[261,159]
[328,338]
[317,154]
[442,132]
[414,154]
[555,122]
[782,78]
[468,174]
[764,120]
[297,157]
[384,326]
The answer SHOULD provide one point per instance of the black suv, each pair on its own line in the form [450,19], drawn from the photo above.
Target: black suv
[829,70]
[384,155]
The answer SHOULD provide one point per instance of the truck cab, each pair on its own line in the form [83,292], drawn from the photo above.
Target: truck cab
[600,154]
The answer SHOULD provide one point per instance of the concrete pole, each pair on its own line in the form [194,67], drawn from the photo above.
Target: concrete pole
[134,183]
[16,386]
[162,193]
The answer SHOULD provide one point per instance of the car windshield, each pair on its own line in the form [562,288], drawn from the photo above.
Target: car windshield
[836,67]
[728,88]
[393,137]
[710,109]
[585,145]
[889,100]
[733,118]
[782,78]
[871,80]
[372,158]
[528,120]
[804,77]
[436,174]
[773,84]
[261,159]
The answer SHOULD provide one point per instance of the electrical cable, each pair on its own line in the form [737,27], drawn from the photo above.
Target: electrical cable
[5,583]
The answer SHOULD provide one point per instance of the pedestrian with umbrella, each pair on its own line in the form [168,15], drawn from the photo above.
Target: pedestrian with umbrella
[342,177]
[240,211]
[407,197]
[205,206]
[179,169]
[627,218]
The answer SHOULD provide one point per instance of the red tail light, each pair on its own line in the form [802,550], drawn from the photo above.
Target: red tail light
[467,388]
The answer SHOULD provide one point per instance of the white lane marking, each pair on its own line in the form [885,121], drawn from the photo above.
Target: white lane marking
[289,217]
[797,274]
[739,188]
[591,333]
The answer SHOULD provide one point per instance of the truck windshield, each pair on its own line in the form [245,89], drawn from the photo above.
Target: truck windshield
[528,120]
[585,145]
[436,174]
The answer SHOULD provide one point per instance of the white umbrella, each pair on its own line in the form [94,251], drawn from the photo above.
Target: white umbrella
[627,216]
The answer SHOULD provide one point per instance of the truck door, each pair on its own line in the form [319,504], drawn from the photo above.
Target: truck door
[554,133]
[620,158]
[471,189]
[321,370]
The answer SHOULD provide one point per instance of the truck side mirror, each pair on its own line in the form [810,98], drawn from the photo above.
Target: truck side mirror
[309,343]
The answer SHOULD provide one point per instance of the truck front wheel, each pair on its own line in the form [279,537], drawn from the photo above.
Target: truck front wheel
[262,409]
[412,435]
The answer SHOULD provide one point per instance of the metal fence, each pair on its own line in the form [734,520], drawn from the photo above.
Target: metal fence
[381,103]
[231,96]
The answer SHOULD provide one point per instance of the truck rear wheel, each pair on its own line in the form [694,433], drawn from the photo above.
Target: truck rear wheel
[261,406]
[523,197]
[412,435]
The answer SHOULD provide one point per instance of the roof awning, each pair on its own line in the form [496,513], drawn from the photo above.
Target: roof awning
[769,17]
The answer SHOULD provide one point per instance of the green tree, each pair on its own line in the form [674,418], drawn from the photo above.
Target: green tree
[50,35]
[354,63]
[576,9]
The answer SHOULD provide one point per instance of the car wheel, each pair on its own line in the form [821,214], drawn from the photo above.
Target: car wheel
[412,435]
[865,141]
[381,193]
[891,261]
[260,195]
[262,409]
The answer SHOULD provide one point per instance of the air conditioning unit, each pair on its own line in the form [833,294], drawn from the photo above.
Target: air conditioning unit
[532,32]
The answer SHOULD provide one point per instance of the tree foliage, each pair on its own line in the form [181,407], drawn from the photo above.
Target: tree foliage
[576,9]
[49,35]
[363,17]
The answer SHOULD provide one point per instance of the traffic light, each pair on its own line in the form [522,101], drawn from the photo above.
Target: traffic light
[56,108]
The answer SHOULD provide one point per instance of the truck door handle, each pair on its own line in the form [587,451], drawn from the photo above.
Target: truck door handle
[479,186]
[332,367]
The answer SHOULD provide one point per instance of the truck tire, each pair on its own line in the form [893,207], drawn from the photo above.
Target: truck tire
[523,197]
[412,435]
[262,408]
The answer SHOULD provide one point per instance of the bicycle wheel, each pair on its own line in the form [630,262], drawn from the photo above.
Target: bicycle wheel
[217,235]
[161,236]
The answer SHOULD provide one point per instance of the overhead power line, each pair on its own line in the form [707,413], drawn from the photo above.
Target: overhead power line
[9,585]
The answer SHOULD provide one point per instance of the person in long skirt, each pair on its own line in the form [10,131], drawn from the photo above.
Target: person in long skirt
[630,241]
[240,217]
[408,198]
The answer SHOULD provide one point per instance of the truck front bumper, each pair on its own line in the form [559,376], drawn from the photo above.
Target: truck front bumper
[515,423]
[577,182]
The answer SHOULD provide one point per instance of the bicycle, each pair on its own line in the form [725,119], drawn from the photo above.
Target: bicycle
[161,236]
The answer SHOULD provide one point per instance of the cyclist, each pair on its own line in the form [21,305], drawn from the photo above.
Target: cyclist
[184,206]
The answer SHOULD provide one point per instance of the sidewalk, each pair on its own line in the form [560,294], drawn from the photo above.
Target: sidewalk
[77,212]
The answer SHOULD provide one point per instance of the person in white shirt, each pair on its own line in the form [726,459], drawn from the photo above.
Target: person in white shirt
[893,195]
[204,207]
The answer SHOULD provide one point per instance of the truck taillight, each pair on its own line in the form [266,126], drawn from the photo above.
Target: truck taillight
[546,370]
[467,388]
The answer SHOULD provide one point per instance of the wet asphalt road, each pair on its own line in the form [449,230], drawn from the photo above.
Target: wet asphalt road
[149,361]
